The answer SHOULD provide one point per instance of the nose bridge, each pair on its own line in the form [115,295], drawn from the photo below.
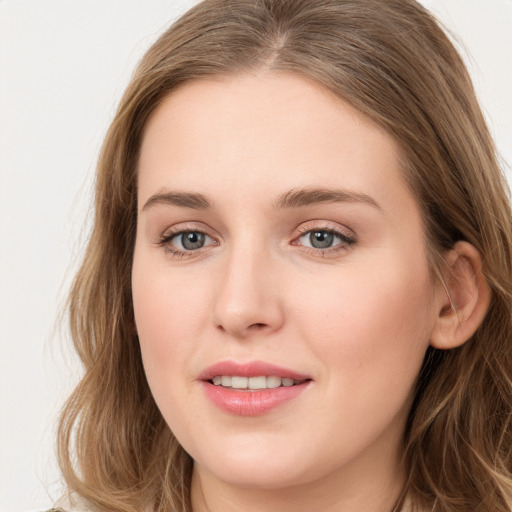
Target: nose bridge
[247,301]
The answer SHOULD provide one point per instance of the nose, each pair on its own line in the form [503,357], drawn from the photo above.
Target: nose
[248,298]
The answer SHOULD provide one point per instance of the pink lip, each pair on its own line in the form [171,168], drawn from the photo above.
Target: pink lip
[249,369]
[247,402]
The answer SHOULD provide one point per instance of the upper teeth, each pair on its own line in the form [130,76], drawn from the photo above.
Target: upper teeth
[261,382]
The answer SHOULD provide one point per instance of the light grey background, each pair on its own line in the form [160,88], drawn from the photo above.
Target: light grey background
[63,67]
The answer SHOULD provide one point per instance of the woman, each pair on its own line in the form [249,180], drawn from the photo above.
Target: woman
[297,291]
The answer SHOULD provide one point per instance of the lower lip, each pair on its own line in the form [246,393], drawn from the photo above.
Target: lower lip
[251,403]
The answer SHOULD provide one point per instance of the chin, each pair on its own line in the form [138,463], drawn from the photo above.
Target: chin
[272,475]
[260,465]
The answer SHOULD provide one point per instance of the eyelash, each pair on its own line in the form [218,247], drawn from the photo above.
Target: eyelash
[346,241]
[167,238]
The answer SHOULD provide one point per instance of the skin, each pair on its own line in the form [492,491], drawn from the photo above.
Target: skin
[356,318]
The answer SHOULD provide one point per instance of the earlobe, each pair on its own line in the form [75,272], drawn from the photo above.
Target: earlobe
[464,298]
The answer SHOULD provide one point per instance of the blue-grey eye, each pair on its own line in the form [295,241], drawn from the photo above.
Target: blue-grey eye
[323,239]
[190,240]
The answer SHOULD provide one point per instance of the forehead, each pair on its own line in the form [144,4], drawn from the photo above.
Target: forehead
[264,132]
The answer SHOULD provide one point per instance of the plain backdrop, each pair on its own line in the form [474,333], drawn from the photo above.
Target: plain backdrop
[63,67]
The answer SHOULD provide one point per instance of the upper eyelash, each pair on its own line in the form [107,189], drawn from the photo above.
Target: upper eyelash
[347,239]
[166,238]
[344,236]
[348,242]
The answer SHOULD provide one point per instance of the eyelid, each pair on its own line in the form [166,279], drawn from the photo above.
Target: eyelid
[181,227]
[348,237]
[170,233]
[330,226]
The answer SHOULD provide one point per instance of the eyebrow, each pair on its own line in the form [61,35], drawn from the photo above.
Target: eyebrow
[183,199]
[295,198]
[308,196]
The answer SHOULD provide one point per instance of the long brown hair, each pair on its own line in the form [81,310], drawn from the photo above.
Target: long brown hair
[390,60]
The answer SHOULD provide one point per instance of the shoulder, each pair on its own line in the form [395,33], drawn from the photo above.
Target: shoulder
[50,510]
[69,503]
[68,509]
[58,509]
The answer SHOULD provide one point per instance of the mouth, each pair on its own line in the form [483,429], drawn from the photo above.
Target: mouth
[242,383]
[251,389]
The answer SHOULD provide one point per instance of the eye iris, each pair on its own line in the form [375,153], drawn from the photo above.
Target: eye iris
[321,239]
[192,240]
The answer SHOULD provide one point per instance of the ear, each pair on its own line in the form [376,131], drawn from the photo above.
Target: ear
[463,297]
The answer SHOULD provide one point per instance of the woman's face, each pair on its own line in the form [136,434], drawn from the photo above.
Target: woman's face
[281,289]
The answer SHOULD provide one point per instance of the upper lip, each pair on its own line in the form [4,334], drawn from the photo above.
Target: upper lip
[250,369]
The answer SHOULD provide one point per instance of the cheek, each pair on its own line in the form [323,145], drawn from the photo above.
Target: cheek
[368,331]
[371,324]
[169,313]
